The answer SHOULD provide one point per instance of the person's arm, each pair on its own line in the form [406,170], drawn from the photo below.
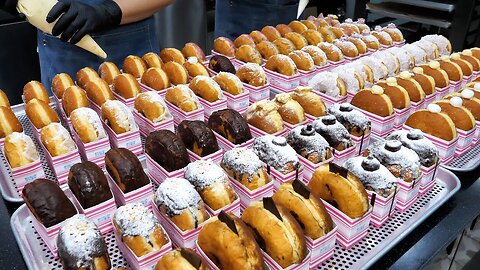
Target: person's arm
[133,11]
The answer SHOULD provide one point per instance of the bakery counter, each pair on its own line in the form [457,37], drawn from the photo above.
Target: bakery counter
[415,251]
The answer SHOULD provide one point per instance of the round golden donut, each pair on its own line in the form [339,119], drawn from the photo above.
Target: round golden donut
[248,54]
[9,122]
[349,28]
[134,65]
[361,46]
[297,39]
[195,68]
[283,29]
[281,64]
[206,88]
[337,31]
[181,258]
[225,46]
[126,86]
[285,46]
[302,60]
[39,113]
[252,74]
[4,102]
[98,91]
[318,56]
[298,26]
[267,49]
[61,82]
[348,48]
[229,83]
[108,71]
[258,36]
[310,24]
[86,75]
[191,49]
[271,33]
[244,39]
[172,54]
[327,34]
[35,89]
[333,52]
[156,78]
[313,37]
[74,97]
[176,73]
[152,59]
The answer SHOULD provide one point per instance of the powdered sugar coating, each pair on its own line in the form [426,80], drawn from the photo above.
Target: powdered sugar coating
[29,150]
[203,173]
[177,194]
[418,53]
[404,57]
[442,43]
[80,238]
[305,56]
[335,133]
[210,81]
[307,144]
[92,117]
[344,44]
[316,53]
[61,136]
[347,74]
[325,82]
[123,115]
[381,180]
[384,35]
[389,60]
[330,47]
[350,119]
[424,148]
[359,67]
[242,161]
[232,78]
[134,219]
[379,69]
[367,37]
[155,98]
[275,152]
[428,47]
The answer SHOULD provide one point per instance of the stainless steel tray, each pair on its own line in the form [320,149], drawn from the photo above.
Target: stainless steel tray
[466,162]
[364,254]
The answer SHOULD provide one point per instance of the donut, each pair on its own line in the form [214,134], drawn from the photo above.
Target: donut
[152,106]
[60,82]
[414,89]
[333,131]
[443,44]
[362,26]
[85,75]
[365,71]
[415,139]
[244,39]
[152,59]
[328,83]
[182,97]
[248,54]
[461,116]
[475,52]
[313,37]
[453,70]
[327,34]
[276,153]
[74,97]
[370,40]
[310,102]
[252,74]
[356,122]
[4,102]
[349,27]
[134,65]
[429,47]
[35,89]
[394,32]
[309,144]
[225,46]
[264,115]
[172,54]
[229,83]
[341,188]
[195,68]
[281,64]
[108,71]
[155,78]
[297,39]
[244,166]
[348,48]
[434,122]
[309,24]
[219,63]
[332,19]
[405,59]
[427,82]
[378,68]
[389,60]
[267,49]
[98,91]
[466,67]
[181,258]
[469,101]
[39,113]
[176,73]
[333,52]
[206,88]
[284,45]
[373,100]
[397,94]
[318,56]
[383,37]
[271,33]
[418,53]
[118,116]
[126,86]
[191,49]
[359,43]
[298,26]
[354,82]
[302,60]
[439,75]
[283,29]
[290,110]
[467,56]
[9,123]
[258,36]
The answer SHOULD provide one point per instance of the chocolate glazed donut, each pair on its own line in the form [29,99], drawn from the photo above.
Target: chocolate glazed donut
[197,137]
[167,150]
[220,63]
[125,169]
[231,125]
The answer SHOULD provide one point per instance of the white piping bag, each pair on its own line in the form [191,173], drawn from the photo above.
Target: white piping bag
[301,7]
[36,12]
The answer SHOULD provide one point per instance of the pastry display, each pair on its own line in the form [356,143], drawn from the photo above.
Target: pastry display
[125,169]
[397,94]
[284,45]
[373,175]
[182,97]
[225,46]
[267,49]
[85,75]
[333,52]
[356,123]
[348,48]
[333,131]
[264,115]
[152,59]
[47,202]
[313,37]
[81,245]
[211,182]
[193,50]
[88,184]
[311,103]
[73,98]
[108,71]
[442,43]
[35,90]
[290,110]
[19,150]
[328,83]
[248,54]
[340,188]
[275,152]
[139,229]
[426,81]
[219,63]
[349,27]
[197,137]
[318,56]
[60,82]
[98,91]
[258,36]
[181,259]
[57,139]
[229,83]
[181,203]
[172,55]
[229,230]
[434,122]
[118,116]
[415,140]
[134,65]
[206,88]
[176,73]
[298,40]
[302,60]
[155,78]
[195,68]
[277,231]
[231,125]
[401,161]
[87,125]
[244,39]
[378,68]
[9,123]
[418,53]
[168,150]
[373,100]
[414,89]
[309,144]
[244,166]
[352,79]
[126,86]
[461,116]
[281,64]
[271,33]
[152,106]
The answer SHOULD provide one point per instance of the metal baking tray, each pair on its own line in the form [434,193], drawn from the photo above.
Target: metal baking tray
[364,254]
[466,162]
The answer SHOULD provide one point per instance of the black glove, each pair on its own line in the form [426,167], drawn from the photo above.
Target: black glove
[80,19]
[9,6]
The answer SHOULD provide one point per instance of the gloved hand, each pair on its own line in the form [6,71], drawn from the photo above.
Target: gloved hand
[9,6]
[79,19]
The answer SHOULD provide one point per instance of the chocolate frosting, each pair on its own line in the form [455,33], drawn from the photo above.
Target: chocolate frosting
[129,169]
[193,258]
[167,150]
[47,202]
[88,184]
[225,218]
[269,204]
[231,125]
[197,132]
[219,63]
